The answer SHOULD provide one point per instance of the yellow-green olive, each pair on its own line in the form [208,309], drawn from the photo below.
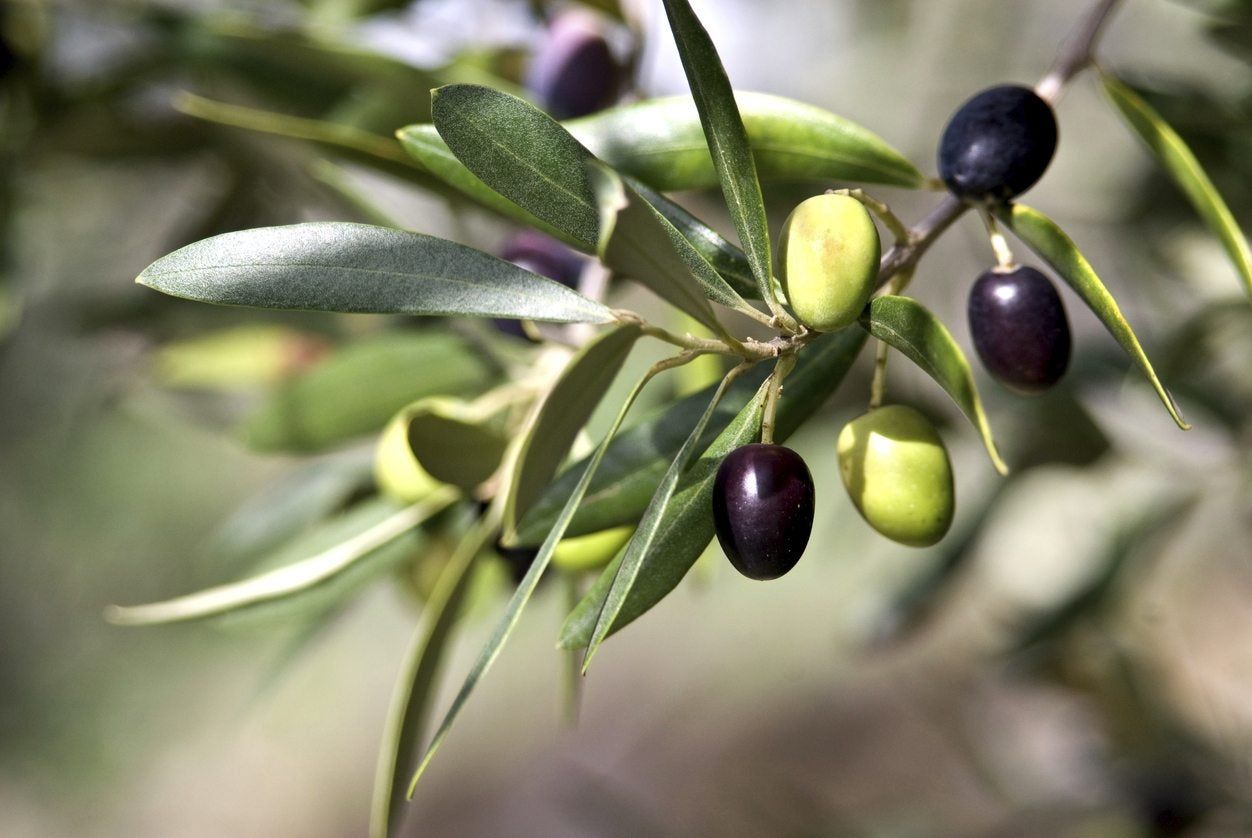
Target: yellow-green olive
[592,551]
[897,472]
[397,472]
[828,260]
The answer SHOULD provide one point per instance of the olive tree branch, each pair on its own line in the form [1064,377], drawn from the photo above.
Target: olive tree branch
[1076,55]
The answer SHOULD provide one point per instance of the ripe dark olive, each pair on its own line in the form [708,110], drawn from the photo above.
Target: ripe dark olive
[542,255]
[574,72]
[997,144]
[763,509]
[1020,329]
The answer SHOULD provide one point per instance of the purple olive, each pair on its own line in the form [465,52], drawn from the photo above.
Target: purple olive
[1019,328]
[997,144]
[574,72]
[763,509]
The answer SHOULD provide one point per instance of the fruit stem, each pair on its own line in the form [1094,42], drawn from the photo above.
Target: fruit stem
[786,364]
[889,219]
[1004,254]
[1077,53]
[878,385]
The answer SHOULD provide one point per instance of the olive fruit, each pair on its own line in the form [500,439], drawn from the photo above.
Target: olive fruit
[574,71]
[1019,328]
[898,475]
[828,260]
[591,551]
[997,144]
[763,509]
[397,472]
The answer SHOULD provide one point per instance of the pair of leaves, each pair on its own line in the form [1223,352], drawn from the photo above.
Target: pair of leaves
[1182,166]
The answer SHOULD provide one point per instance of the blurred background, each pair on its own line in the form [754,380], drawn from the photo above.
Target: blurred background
[1074,659]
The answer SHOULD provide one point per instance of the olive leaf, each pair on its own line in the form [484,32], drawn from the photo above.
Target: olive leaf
[1185,170]
[416,683]
[513,611]
[360,268]
[639,242]
[910,327]
[522,153]
[661,142]
[642,542]
[358,388]
[359,535]
[562,415]
[1042,235]
[726,138]
[453,442]
[687,526]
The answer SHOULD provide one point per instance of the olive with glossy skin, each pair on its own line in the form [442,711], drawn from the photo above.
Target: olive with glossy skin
[998,144]
[1019,328]
[574,71]
[896,470]
[828,260]
[763,509]
[397,473]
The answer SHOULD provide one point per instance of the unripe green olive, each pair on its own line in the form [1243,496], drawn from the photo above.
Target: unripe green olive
[397,472]
[828,260]
[592,551]
[897,472]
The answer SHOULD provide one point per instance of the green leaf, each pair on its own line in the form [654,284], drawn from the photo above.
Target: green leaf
[454,443]
[425,145]
[639,242]
[367,535]
[1185,170]
[687,526]
[522,153]
[634,465]
[361,268]
[910,327]
[355,391]
[562,415]
[727,139]
[525,589]
[644,539]
[1044,237]
[661,142]
[415,686]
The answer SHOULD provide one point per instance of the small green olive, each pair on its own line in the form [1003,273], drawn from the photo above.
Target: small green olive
[828,260]
[397,472]
[592,551]
[897,472]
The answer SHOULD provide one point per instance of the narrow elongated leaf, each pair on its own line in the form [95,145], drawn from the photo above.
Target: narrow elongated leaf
[424,144]
[1042,235]
[415,685]
[644,539]
[522,153]
[727,139]
[1182,166]
[356,390]
[361,268]
[910,327]
[635,463]
[661,142]
[562,415]
[525,589]
[687,526]
[454,443]
[287,581]
[428,148]
[639,242]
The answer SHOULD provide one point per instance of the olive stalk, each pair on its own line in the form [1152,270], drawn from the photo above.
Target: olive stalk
[786,364]
[879,208]
[878,384]
[999,245]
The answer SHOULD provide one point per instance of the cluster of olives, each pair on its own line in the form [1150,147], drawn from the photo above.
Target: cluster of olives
[892,460]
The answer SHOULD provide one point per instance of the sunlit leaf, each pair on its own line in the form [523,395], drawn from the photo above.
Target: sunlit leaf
[910,327]
[661,142]
[453,443]
[1042,235]
[687,526]
[331,266]
[1185,170]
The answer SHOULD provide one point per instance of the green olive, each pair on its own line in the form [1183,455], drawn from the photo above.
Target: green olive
[828,260]
[897,472]
[396,471]
[592,551]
